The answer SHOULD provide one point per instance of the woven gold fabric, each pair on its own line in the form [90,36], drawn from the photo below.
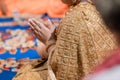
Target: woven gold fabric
[82,43]
[30,72]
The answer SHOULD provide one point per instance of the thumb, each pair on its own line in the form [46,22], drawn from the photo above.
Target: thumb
[51,25]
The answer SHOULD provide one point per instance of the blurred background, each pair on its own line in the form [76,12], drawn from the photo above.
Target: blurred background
[17,43]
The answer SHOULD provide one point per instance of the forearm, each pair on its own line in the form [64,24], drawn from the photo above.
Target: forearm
[41,49]
[44,49]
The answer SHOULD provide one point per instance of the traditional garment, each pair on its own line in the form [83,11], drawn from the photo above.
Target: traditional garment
[82,43]
[34,71]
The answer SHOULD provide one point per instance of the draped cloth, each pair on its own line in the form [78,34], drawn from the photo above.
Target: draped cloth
[82,43]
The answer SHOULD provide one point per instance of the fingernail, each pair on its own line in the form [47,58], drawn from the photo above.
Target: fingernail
[49,20]
[29,20]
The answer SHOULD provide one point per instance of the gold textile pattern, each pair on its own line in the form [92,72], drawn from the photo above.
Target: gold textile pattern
[82,43]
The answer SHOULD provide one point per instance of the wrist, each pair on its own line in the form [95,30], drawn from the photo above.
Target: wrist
[49,45]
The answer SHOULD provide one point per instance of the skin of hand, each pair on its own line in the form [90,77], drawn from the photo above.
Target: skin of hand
[43,32]
[41,49]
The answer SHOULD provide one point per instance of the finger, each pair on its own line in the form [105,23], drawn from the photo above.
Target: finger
[38,35]
[50,24]
[43,29]
[33,25]
[36,22]
[39,24]
[46,24]
[29,22]
[32,28]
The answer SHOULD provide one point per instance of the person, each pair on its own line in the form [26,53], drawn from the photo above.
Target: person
[80,44]
[109,69]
